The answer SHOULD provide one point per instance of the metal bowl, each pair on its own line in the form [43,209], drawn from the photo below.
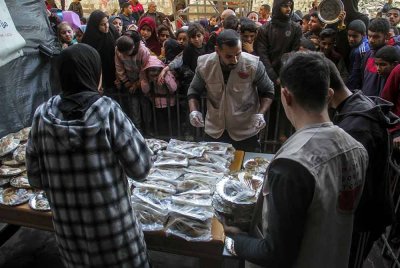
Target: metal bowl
[329,11]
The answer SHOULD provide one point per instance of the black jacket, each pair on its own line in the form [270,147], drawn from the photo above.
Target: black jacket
[275,38]
[367,120]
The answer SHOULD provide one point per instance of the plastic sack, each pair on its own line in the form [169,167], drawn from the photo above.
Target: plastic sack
[168,175]
[190,149]
[156,185]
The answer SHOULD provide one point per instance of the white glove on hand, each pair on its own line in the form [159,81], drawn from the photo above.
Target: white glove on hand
[258,121]
[196,119]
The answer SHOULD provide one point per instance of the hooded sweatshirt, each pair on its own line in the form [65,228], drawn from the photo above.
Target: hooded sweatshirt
[367,120]
[279,36]
[160,92]
[80,150]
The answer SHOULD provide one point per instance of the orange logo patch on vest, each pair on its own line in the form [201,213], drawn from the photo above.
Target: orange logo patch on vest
[243,74]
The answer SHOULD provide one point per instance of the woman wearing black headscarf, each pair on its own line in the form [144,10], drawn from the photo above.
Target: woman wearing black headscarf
[102,36]
[78,154]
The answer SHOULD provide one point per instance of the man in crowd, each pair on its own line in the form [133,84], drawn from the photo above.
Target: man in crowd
[394,16]
[367,121]
[239,93]
[378,33]
[137,9]
[314,183]
[264,13]
[126,16]
[152,12]
[358,42]
[279,36]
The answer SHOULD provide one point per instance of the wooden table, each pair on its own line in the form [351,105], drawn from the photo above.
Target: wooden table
[210,253]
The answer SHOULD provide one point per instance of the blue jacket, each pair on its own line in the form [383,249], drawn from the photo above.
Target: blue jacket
[355,64]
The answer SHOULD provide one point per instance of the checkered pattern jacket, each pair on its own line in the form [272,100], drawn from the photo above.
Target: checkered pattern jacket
[82,166]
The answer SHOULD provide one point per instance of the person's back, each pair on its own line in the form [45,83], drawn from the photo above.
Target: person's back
[313,184]
[80,150]
[336,162]
[367,120]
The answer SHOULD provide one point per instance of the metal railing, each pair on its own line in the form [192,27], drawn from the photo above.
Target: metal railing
[391,238]
[278,128]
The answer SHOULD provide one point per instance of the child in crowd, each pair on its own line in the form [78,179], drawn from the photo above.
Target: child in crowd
[327,41]
[76,7]
[161,95]
[230,22]
[252,15]
[386,59]
[131,55]
[163,34]
[117,22]
[391,92]
[147,29]
[358,41]
[213,23]
[79,32]
[83,21]
[65,35]
[174,59]
[248,33]
[195,48]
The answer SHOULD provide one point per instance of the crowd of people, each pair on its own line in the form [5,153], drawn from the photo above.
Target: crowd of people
[325,200]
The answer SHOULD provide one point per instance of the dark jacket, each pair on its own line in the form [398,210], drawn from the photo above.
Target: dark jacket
[367,120]
[279,36]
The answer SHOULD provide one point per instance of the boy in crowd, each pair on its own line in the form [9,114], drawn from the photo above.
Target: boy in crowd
[358,41]
[366,121]
[264,14]
[378,33]
[386,59]
[327,41]
[315,25]
[126,16]
[305,27]
[248,33]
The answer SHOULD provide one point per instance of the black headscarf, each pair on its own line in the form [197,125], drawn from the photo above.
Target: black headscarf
[104,43]
[172,49]
[79,68]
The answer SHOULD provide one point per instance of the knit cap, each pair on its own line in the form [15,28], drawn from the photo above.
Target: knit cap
[357,26]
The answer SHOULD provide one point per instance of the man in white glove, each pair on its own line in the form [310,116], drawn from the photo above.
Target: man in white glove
[196,119]
[258,121]
[238,90]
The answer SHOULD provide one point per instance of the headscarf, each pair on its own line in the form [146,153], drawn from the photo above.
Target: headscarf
[172,49]
[79,69]
[104,43]
[151,43]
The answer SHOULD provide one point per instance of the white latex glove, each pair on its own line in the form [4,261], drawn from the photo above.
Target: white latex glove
[258,121]
[196,119]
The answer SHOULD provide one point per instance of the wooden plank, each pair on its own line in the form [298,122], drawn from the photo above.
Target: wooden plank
[23,215]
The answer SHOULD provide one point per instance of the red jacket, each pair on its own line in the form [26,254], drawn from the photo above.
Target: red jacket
[391,92]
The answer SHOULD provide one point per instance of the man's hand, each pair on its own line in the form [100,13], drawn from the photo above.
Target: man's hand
[258,121]
[196,119]
[396,143]
[229,230]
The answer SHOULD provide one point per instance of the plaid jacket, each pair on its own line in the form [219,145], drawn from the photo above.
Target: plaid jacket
[82,166]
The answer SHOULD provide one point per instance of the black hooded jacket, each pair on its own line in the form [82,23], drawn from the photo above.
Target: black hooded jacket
[367,120]
[275,38]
